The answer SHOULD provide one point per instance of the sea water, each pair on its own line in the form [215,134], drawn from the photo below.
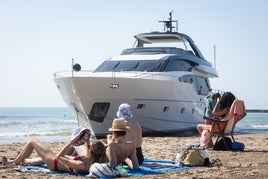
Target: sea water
[253,123]
[56,124]
[46,124]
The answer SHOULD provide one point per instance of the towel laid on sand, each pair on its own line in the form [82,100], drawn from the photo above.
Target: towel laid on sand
[148,167]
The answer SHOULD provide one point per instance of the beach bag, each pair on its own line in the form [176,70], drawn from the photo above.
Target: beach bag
[220,144]
[192,155]
[238,146]
[103,170]
[205,139]
[193,158]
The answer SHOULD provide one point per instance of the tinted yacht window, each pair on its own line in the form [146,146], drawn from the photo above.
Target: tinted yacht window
[107,66]
[125,66]
[178,65]
[201,84]
[131,65]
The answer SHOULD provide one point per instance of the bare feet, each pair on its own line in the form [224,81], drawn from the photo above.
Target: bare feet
[4,161]
[8,163]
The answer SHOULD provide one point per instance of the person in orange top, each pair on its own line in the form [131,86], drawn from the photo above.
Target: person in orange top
[221,109]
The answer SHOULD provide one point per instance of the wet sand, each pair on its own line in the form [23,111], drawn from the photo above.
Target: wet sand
[251,163]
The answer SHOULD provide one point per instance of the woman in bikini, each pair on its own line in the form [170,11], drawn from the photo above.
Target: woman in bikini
[60,161]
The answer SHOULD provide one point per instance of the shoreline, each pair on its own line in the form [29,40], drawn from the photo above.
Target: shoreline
[59,139]
[250,163]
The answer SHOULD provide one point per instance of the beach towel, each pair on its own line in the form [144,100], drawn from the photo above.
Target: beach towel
[238,110]
[149,166]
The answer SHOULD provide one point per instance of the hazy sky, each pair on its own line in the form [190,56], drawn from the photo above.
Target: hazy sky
[38,38]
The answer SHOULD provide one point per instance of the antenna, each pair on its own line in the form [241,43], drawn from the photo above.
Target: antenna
[168,25]
[72,67]
[214,56]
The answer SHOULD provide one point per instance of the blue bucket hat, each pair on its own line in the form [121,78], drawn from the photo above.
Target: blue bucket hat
[124,111]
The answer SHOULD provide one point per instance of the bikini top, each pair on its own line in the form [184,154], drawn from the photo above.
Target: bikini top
[77,158]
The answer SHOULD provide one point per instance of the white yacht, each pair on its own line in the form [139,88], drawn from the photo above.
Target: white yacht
[164,78]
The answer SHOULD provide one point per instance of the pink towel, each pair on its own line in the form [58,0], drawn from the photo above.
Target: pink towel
[237,109]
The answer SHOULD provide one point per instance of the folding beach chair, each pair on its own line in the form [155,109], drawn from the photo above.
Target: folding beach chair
[225,127]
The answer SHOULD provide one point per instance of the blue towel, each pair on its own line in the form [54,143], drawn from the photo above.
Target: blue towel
[149,166]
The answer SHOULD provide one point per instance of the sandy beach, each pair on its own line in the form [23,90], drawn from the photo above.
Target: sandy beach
[251,163]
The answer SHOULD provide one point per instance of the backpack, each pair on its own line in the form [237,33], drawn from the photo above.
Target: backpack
[238,146]
[219,145]
[192,155]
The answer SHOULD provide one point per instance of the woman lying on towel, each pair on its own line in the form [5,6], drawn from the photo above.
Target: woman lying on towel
[61,161]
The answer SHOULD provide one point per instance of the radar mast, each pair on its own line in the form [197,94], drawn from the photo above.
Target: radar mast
[168,25]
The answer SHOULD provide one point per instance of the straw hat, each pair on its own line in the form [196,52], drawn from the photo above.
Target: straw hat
[119,124]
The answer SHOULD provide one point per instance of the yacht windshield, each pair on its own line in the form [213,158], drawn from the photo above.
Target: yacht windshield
[131,65]
[178,65]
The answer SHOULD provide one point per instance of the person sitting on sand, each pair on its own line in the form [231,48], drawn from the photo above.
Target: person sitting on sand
[134,133]
[119,150]
[61,162]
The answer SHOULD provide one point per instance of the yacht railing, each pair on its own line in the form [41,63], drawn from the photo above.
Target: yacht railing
[61,74]
[131,74]
[217,91]
[122,74]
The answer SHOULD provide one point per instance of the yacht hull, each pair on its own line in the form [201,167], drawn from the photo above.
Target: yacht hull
[160,106]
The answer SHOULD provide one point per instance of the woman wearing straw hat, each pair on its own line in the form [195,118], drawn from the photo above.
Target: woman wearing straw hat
[134,133]
[119,150]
